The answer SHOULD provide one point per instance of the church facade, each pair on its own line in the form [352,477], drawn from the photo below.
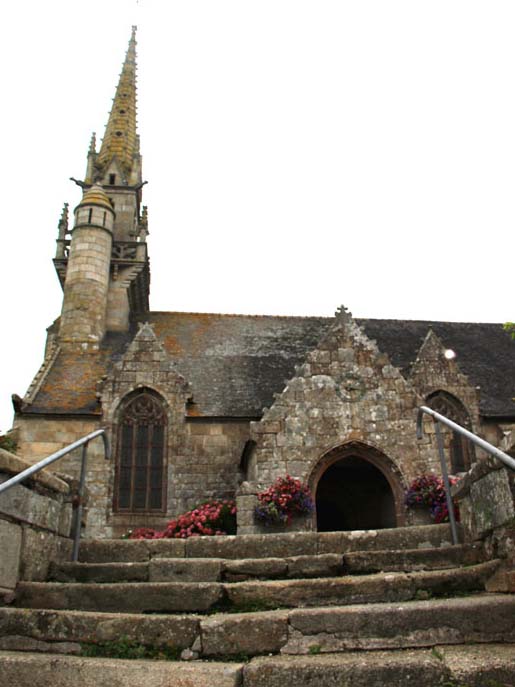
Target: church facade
[202,406]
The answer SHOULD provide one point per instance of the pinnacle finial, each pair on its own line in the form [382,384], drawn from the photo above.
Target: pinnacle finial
[63,222]
[93,143]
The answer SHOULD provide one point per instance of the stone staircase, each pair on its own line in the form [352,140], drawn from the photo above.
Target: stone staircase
[395,607]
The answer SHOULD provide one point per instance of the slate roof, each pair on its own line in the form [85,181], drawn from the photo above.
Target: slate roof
[235,363]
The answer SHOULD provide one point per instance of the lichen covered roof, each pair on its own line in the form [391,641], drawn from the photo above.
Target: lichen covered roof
[236,363]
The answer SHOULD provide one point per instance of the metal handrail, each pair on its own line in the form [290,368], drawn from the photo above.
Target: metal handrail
[37,467]
[489,448]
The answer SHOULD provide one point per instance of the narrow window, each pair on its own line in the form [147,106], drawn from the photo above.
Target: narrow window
[461,450]
[112,179]
[90,215]
[104,219]
[140,471]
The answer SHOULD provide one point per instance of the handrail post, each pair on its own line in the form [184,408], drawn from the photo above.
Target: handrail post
[445,475]
[78,511]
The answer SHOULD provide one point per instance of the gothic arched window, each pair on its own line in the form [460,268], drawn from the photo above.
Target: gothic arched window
[461,449]
[140,484]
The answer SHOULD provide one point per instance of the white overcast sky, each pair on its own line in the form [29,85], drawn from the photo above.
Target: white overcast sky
[300,155]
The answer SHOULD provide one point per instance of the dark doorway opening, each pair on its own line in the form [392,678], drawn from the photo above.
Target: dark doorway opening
[353,494]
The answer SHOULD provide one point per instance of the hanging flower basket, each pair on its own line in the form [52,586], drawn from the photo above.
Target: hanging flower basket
[426,498]
[286,499]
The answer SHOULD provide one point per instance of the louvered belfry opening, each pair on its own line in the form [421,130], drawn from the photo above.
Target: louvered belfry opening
[141,459]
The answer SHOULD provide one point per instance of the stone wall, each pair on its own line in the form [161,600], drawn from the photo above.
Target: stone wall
[486,498]
[346,394]
[202,455]
[35,522]
[38,437]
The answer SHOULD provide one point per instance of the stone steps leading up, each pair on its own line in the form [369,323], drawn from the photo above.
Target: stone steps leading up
[477,666]
[474,619]
[203,597]
[265,546]
[299,609]
[295,567]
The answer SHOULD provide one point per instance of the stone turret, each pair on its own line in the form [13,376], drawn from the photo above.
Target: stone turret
[83,316]
[113,256]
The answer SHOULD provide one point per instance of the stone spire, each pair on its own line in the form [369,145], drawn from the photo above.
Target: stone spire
[120,138]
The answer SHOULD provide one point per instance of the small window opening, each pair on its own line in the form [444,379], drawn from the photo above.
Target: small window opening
[112,179]
[90,215]
[104,219]
[122,111]
[119,133]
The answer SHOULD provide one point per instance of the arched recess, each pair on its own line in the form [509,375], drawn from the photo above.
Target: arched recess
[140,476]
[357,487]
[461,451]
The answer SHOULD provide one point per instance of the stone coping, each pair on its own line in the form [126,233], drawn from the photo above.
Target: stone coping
[13,465]
[479,470]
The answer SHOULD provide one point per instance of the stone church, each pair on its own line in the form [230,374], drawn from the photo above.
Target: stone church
[200,406]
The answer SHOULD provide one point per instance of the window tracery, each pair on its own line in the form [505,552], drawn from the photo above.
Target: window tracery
[141,459]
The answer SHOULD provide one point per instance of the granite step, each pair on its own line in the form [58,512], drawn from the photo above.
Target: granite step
[471,666]
[265,546]
[203,597]
[49,670]
[296,567]
[297,631]
[488,665]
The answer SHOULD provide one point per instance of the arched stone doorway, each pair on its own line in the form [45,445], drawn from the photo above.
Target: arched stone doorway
[357,487]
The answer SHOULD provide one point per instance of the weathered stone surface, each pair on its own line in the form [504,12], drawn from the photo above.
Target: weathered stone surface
[363,589]
[415,624]
[83,626]
[244,633]
[31,507]
[166,548]
[39,549]
[328,591]
[397,538]
[252,546]
[503,580]
[99,572]
[188,570]
[248,568]
[412,559]
[479,665]
[324,565]
[11,465]
[17,643]
[11,542]
[492,502]
[363,669]
[126,598]
[19,670]
[113,550]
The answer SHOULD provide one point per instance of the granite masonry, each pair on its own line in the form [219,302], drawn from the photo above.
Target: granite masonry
[201,406]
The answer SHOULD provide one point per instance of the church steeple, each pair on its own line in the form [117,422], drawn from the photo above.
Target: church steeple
[102,262]
[120,142]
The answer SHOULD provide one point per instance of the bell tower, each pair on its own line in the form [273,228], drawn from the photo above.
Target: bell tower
[102,263]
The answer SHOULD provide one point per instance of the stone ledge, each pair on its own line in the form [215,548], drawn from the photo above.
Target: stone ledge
[13,465]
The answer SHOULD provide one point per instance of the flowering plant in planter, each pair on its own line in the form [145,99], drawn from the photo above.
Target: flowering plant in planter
[429,490]
[213,518]
[285,499]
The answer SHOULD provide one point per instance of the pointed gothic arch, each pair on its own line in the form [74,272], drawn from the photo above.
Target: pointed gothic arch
[356,486]
[461,451]
[141,461]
